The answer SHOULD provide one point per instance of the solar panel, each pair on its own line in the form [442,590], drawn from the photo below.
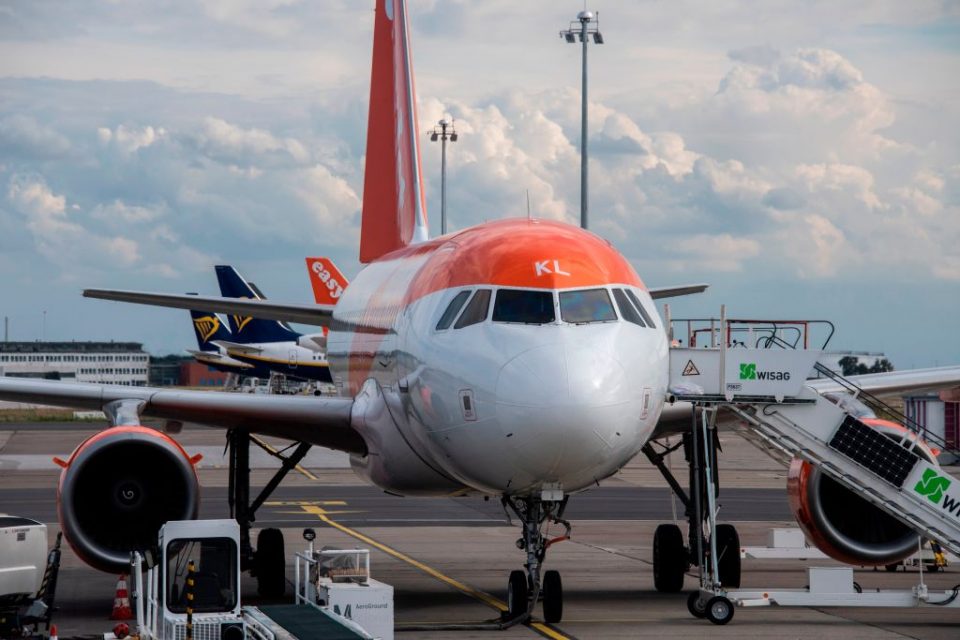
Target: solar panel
[873,450]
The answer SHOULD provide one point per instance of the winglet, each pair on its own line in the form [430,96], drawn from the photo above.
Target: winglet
[394,209]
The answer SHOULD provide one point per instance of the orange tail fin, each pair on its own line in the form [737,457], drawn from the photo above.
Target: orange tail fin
[394,210]
[327,281]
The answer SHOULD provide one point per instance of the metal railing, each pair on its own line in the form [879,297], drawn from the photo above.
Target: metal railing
[709,332]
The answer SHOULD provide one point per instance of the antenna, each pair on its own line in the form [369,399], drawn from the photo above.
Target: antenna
[528,204]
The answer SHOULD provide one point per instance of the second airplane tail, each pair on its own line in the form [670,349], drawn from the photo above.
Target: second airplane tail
[246,329]
[208,327]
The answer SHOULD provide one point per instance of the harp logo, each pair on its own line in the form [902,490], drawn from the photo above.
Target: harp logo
[242,321]
[206,326]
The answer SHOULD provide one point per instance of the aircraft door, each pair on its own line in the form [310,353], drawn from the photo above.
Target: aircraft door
[293,358]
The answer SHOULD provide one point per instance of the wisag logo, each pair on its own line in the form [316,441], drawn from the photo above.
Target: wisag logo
[932,485]
[748,371]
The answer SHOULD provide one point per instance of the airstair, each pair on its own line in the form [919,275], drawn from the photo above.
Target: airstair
[762,383]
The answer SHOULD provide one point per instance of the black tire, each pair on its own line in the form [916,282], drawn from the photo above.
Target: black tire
[517,594]
[270,564]
[728,555]
[719,610]
[696,606]
[552,597]
[892,567]
[669,559]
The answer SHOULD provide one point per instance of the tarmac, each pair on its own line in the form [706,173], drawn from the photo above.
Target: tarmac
[448,559]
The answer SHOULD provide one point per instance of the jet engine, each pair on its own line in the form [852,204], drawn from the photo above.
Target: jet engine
[116,490]
[842,524]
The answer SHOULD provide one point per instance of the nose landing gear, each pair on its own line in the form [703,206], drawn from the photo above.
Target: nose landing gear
[523,591]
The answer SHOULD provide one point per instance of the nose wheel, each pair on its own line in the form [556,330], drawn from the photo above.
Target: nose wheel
[526,588]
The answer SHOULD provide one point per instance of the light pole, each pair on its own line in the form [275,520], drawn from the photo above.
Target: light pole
[443,131]
[586,24]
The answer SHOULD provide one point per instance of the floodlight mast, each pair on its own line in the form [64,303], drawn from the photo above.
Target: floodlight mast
[589,24]
[443,131]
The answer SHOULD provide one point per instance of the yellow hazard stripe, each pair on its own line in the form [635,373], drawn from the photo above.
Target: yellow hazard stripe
[271,449]
[482,596]
[456,584]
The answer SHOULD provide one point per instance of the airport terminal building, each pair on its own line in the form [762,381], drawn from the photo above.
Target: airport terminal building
[123,363]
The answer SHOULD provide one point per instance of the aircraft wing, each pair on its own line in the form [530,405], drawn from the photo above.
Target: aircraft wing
[894,383]
[320,420]
[313,314]
[678,290]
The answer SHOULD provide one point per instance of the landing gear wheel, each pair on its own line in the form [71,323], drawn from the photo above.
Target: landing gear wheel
[728,555]
[552,597]
[719,610]
[270,564]
[669,559]
[892,567]
[517,595]
[696,606]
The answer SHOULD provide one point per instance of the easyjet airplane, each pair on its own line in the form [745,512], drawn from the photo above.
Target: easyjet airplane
[519,358]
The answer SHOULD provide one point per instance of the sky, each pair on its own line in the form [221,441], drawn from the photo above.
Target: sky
[802,158]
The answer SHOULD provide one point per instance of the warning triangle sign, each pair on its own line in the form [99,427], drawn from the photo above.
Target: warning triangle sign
[690,369]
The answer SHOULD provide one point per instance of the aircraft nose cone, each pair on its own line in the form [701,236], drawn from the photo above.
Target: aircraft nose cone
[562,375]
[564,410]
[536,378]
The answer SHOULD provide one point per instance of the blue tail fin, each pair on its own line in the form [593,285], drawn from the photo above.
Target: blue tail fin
[246,329]
[208,328]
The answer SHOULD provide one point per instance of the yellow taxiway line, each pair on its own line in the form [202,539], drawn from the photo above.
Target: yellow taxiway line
[274,451]
[484,597]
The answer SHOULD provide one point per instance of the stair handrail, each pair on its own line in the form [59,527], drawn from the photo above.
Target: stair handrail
[875,403]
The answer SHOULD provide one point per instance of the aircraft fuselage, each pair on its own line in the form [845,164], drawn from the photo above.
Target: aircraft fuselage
[523,397]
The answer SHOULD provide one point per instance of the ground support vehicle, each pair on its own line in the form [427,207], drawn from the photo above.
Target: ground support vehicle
[28,577]
[191,589]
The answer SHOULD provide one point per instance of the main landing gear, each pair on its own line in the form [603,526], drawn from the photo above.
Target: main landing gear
[525,588]
[268,562]
[672,555]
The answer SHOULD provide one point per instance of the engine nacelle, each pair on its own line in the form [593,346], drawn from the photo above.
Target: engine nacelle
[118,488]
[842,524]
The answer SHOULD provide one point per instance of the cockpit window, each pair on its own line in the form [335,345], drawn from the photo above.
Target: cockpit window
[527,307]
[452,310]
[476,310]
[590,305]
[627,310]
[640,308]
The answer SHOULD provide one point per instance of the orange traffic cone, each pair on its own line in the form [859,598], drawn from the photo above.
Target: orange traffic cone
[53,632]
[121,602]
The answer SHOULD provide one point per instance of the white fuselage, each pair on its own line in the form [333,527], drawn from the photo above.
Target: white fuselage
[550,405]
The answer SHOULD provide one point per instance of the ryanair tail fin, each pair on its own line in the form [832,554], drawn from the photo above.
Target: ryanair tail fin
[246,329]
[208,327]
[327,281]
[394,209]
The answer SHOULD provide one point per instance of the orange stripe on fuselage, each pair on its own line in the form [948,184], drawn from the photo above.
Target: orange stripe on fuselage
[539,254]
[524,253]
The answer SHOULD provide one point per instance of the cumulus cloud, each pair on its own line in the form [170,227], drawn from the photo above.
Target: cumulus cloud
[840,177]
[130,139]
[23,134]
[239,147]
[65,237]
[119,211]
[722,252]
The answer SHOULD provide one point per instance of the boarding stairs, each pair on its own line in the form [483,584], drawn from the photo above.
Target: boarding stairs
[763,387]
